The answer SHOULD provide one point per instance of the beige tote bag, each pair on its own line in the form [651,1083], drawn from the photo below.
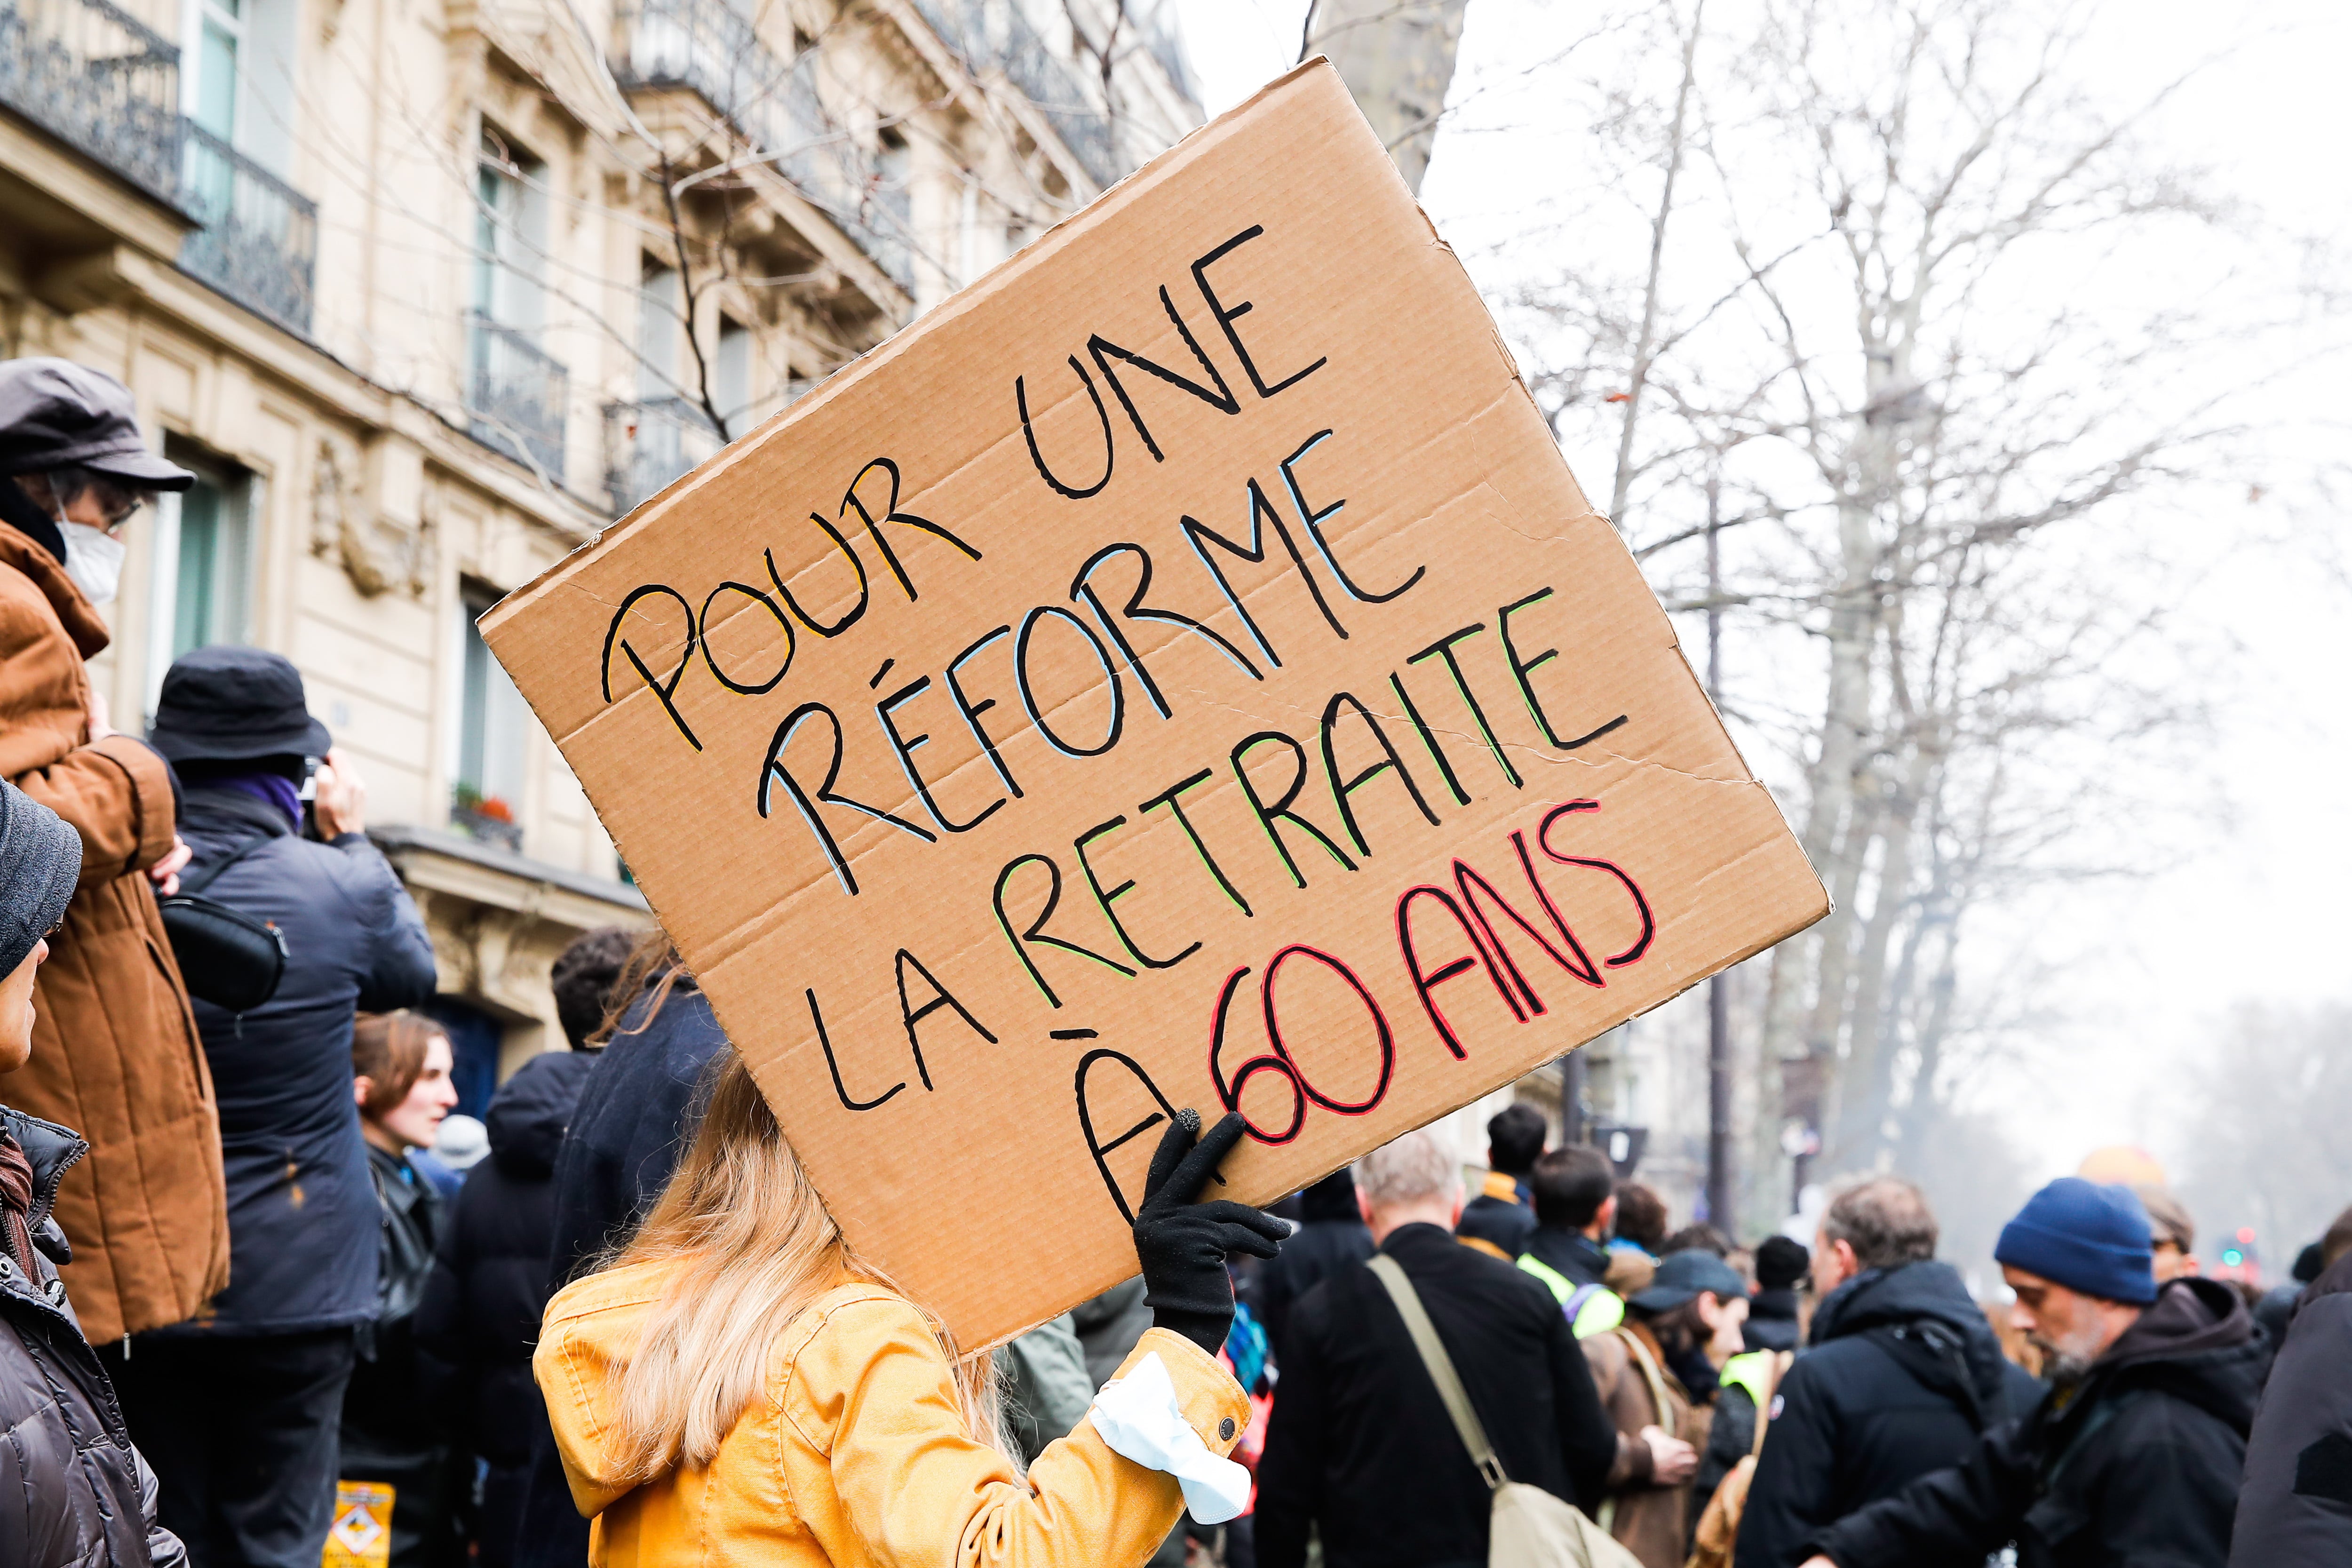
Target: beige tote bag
[1531,1528]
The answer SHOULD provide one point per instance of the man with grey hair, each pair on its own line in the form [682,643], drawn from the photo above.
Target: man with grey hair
[1903,1373]
[1361,1445]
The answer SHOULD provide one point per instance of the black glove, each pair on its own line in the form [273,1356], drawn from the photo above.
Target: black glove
[1183,1244]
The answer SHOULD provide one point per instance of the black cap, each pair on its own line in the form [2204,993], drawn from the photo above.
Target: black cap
[235,704]
[1683,1275]
[40,861]
[55,414]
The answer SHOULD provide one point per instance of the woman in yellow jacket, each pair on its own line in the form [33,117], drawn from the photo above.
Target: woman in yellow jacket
[738,1386]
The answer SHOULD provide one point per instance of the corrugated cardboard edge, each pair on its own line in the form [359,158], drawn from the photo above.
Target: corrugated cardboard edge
[964,300]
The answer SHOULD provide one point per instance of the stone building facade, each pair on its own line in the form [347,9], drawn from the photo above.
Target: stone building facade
[428,292]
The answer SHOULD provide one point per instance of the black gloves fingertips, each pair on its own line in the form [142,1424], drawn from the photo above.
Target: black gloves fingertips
[1183,1244]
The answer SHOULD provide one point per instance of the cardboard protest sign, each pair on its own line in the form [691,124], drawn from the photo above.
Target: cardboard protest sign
[1178,670]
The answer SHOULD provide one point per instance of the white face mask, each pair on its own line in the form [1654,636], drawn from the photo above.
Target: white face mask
[93,560]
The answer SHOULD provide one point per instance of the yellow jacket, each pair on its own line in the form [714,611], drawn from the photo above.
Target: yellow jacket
[857,1455]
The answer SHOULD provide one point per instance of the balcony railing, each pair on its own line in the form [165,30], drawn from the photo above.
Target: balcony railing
[649,443]
[100,80]
[707,47]
[260,236]
[515,395]
[1000,37]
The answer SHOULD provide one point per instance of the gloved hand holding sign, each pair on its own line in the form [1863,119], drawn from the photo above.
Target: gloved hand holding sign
[1183,1244]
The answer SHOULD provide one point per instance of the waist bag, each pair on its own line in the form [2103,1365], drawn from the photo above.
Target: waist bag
[1529,1528]
[226,957]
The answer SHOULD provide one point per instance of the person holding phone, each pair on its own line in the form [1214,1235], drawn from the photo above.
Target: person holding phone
[239,1412]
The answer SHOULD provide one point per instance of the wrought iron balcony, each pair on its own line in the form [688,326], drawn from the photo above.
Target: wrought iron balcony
[709,48]
[1000,37]
[515,395]
[99,79]
[260,236]
[649,443]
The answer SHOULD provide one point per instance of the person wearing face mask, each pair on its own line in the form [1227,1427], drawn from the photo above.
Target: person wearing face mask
[2134,1455]
[239,1410]
[116,1053]
[391,1433]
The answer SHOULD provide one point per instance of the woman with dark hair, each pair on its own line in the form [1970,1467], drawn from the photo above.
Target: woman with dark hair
[400,1077]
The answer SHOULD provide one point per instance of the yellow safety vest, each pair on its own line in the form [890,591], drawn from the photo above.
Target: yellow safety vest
[1600,1310]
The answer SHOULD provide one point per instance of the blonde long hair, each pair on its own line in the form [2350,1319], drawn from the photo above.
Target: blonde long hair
[754,1247]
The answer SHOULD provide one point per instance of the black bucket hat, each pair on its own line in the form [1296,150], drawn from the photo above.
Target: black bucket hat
[55,414]
[233,705]
[40,861]
[1683,1275]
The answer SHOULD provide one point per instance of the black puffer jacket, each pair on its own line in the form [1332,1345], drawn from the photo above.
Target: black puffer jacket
[1880,1400]
[391,1432]
[480,1316]
[637,1111]
[2140,1465]
[301,1212]
[74,1493]
[2296,1509]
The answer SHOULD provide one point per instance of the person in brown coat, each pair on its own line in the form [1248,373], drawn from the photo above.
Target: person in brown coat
[1654,1373]
[116,1053]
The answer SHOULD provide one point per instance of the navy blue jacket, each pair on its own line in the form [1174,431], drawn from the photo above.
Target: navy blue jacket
[631,1125]
[636,1113]
[303,1219]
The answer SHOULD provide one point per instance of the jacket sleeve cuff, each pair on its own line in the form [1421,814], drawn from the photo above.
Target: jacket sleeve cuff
[154,794]
[1212,1404]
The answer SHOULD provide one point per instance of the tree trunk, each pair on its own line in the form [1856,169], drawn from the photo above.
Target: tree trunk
[1397,58]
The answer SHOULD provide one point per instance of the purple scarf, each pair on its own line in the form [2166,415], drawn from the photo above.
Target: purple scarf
[275,788]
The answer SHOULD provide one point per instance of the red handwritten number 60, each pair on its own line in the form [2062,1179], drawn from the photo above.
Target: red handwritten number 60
[1278,1060]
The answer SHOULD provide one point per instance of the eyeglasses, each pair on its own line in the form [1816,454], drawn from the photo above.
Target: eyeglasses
[119,502]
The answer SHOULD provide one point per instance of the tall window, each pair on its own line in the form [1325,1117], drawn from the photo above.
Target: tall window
[203,562]
[220,36]
[516,393]
[661,309]
[730,375]
[493,725]
[510,232]
[236,83]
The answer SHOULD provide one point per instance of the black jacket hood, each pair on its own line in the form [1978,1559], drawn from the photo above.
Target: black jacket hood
[2198,1342]
[527,1117]
[1908,1293]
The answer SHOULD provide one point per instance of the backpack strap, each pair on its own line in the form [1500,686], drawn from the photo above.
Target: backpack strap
[239,847]
[1655,1377]
[1935,1356]
[1440,1366]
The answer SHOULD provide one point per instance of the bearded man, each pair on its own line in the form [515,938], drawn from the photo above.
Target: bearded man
[2135,1453]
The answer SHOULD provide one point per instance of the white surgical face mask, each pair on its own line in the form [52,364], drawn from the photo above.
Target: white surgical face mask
[93,560]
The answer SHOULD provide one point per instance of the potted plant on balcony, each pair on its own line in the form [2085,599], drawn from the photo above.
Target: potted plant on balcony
[487,817]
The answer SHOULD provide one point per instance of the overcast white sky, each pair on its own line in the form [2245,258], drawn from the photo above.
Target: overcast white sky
[2253,905]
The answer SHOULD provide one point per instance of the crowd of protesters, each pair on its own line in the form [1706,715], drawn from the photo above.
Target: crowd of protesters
[628,1332]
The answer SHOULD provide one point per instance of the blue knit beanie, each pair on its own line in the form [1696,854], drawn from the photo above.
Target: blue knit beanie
[2088,1237]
